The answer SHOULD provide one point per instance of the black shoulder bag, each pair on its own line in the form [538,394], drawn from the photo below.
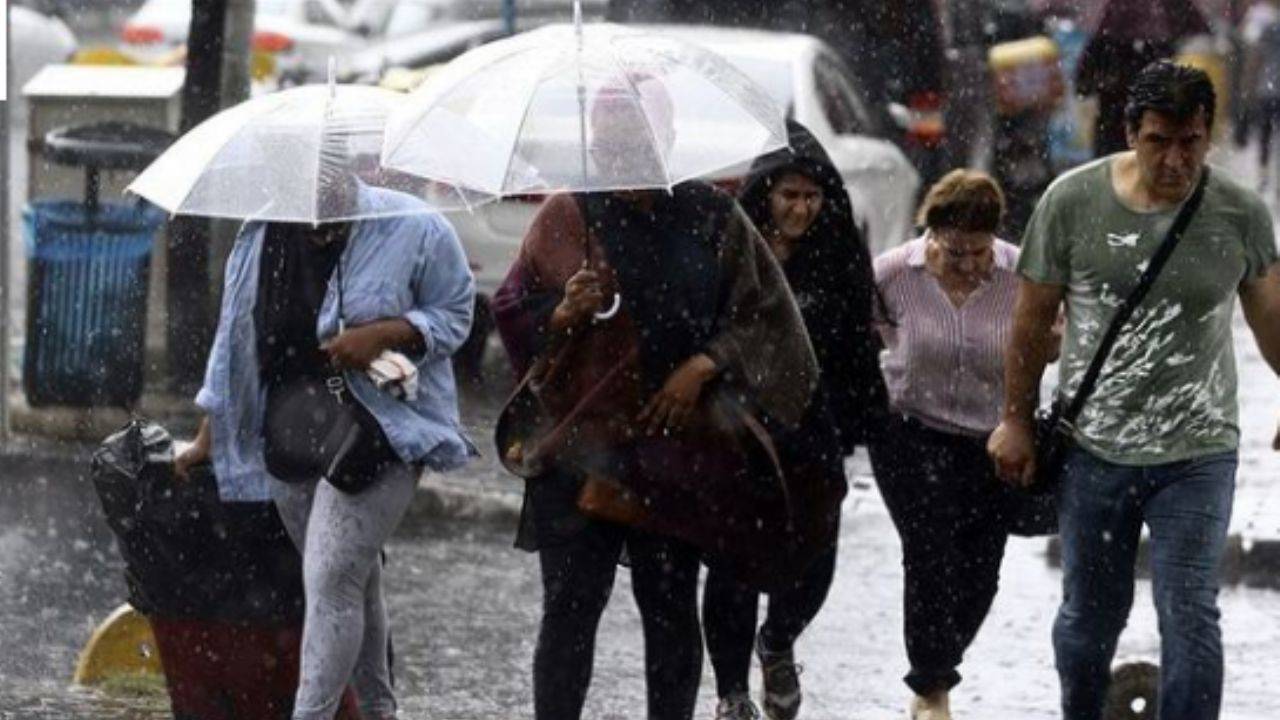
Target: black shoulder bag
[1055,426]
[315,428]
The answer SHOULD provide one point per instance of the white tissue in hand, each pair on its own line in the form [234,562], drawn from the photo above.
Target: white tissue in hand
[393,372]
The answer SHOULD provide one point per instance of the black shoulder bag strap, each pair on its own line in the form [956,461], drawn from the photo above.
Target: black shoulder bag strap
[1126,309]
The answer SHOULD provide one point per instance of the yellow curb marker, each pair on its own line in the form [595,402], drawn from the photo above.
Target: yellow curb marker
[123,644]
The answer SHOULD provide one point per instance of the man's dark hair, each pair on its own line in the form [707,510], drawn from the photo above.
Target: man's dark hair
[1176,91]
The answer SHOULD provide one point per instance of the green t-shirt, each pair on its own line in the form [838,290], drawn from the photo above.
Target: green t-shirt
[1168,390]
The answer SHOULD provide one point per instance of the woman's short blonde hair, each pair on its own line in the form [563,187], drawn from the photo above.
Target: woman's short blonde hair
[966,200]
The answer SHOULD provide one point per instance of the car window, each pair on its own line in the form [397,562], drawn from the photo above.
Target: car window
[840,102]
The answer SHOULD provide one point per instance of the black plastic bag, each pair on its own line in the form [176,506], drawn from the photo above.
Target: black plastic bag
[188,554]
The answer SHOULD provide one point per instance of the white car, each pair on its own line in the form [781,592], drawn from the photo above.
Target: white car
[399,18]
[36,40]
[413,34]
[300,34]
[803,75]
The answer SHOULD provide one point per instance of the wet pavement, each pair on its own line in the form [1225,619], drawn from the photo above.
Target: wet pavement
[464,604]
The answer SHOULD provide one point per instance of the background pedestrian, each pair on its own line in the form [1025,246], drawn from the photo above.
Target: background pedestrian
[797,199]
[949,298]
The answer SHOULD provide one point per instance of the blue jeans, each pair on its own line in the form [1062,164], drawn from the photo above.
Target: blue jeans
[1187,506]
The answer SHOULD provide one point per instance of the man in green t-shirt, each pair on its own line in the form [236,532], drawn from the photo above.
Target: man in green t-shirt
[1157,440]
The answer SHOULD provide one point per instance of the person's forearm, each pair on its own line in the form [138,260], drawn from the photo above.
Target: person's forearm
[204,437]
[1024,368]
[1266,332]
[400,335]
[1260,301]
[1032,346]
[200,450]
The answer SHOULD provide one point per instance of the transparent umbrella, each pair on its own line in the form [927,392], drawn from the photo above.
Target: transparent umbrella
[582,108]
[298,155]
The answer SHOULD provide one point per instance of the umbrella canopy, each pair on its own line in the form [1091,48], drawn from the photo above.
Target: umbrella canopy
[582,108]
[298,155]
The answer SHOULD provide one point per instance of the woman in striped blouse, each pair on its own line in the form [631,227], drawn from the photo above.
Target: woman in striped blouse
[948,296]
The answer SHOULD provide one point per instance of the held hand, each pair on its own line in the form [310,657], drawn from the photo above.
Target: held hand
[673,404]
[1057,332]
[583,296]
[1012,448]
[195,454]
[356,347]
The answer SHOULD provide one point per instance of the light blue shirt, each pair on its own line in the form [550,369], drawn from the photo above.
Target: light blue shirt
[405,266]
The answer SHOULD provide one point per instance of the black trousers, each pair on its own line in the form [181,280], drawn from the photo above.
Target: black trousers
[949,510]
[730,611]
[577,577]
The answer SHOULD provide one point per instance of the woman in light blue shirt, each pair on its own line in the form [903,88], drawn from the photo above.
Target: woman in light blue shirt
[400,282]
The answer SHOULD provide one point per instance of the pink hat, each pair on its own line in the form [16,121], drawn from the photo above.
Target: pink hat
[640,103]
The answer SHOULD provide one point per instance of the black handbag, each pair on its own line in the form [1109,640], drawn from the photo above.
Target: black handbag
[1053,436]
[1055,425]
[315,428]
[1033,511]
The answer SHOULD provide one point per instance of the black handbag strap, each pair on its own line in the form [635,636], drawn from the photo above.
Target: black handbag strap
[341,310]
[337,382]
[1135,298]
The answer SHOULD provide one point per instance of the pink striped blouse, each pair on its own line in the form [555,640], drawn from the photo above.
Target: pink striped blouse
[944,364]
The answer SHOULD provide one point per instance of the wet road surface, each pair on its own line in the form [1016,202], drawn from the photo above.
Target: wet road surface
[464,608]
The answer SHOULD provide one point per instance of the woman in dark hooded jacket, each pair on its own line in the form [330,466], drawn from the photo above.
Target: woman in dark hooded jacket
[798,200]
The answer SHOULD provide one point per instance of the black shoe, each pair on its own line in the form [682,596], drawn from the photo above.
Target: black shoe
[737,707]
[781,683]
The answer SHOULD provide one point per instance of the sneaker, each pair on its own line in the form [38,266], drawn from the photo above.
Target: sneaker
[781,683]
[737,707]
[934,706]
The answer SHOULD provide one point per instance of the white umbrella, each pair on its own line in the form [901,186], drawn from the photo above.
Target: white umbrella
[298,155]
[582,108]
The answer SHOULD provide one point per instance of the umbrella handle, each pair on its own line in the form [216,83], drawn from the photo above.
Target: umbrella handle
[613,308]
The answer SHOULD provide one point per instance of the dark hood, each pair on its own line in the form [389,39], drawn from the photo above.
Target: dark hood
[807,157]
[830,275]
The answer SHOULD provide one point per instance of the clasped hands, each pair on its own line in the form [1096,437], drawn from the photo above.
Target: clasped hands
[671,406]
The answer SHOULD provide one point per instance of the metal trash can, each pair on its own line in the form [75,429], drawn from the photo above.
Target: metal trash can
[89,264]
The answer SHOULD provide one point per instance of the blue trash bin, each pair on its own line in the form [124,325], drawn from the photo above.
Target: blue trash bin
[87,301]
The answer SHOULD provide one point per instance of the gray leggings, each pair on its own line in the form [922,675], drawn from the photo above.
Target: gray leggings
[344,637]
